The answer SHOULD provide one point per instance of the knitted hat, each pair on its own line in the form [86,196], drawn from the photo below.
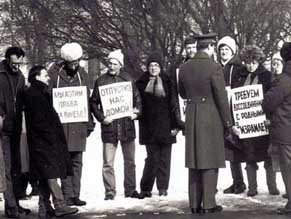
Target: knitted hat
[286,51]
[71,52]
[277,56]
[118,55]
[155,57]
[229,42]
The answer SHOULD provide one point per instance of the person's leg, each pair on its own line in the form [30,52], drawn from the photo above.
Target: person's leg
[108,174]
[76,179]
[164,167]
[209,183]
[271,178]
[11,208]
[195,190]
[285,166]
[149,170]
[67,185]
[238,185]
[61,208]
[128,151]
[251,169]
[45,209]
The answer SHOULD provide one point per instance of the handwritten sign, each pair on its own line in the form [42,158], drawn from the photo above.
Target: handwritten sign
[71,104]
[117,100]
[247,111]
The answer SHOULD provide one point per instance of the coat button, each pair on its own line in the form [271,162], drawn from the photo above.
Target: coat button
[203,99]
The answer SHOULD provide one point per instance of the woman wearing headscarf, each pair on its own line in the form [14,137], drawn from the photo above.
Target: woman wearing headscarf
[158,125]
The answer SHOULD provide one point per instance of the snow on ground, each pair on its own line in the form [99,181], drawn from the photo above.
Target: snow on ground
[176,201]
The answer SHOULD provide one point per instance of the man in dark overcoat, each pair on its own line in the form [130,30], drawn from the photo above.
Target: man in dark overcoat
[208,117]
[69,73]
[48,152]
[12,84]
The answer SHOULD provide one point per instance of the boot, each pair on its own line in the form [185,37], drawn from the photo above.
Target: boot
[239,188]
[252,179]
[271,181]
[64,211]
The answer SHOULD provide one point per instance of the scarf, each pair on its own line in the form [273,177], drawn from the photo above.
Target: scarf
[251,80]
[155,86]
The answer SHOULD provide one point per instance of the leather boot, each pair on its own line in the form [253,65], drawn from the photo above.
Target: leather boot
[252,179]
[271,181]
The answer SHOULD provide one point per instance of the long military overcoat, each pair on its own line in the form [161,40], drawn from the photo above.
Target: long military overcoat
[201,82]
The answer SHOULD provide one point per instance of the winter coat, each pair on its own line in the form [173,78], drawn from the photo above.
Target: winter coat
[201,82]
[231,71]
[77,132]
[122,129]
[2,170]
[9,95]
[255,149]
[48,152]
[11,111]
[159,114]
[277,104]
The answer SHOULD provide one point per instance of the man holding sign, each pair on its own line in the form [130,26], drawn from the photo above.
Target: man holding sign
[71,100]
[116,103]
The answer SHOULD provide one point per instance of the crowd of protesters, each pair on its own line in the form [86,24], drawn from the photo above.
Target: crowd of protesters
[55,147]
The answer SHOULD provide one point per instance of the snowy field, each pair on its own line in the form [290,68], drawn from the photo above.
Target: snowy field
[177,200]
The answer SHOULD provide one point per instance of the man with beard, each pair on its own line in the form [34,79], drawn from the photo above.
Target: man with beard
[12,84]
[69,73]
[118,130]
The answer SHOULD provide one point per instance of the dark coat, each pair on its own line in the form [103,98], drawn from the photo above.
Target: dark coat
[277,104]
[49,156]
[77,132]
[159,114]
[9,95]
[255,149]
[201,82]
[122,129]
[232,71]
[11,111]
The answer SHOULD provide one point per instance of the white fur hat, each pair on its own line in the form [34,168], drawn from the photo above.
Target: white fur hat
[118,55]
[228,41]
[71,52]
[277,56]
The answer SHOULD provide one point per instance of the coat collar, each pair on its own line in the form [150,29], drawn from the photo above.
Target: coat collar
[40,86]
[201,55]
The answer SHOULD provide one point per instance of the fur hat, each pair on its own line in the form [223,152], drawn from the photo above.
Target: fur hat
[71,52]
[155,57]
[118,55]
[252,52]
[229,42]
[286,51]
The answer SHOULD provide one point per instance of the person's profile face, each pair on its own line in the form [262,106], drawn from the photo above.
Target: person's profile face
[277,66]
[191,50]
[15,62]
[43,77]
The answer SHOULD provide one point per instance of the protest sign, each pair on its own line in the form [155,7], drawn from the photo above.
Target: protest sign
[247,111]
[71,104]
[117,100]
[182,102]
